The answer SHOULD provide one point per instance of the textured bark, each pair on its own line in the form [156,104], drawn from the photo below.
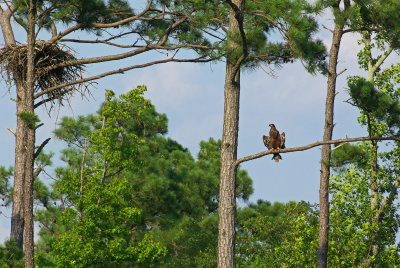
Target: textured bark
[17,218]
[227,198]
[375,198]
[8,34]
[326,150]
[227,195]
[28,104]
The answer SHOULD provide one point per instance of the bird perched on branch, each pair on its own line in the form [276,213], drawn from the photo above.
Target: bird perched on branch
[274,141]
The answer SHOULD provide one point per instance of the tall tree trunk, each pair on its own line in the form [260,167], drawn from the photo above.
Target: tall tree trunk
[326,149]
[28,103]
[21,152]
[17,218]
[227,195]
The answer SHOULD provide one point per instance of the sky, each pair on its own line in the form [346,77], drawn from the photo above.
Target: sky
[192,97]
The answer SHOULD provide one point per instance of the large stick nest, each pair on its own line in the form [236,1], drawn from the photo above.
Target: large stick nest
[13,64]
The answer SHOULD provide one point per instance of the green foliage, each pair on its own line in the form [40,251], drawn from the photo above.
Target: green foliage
[262,21]
[379,104]
[379,14]
[351,219]
[96,227]
[297,35]
[278,235]
[190,242]
[349,154]
[364,217]
[5,185]
[135,185]
[11,255]
[84,13]
[29,118]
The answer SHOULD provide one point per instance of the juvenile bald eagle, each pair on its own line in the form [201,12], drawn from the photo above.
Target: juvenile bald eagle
[274,141]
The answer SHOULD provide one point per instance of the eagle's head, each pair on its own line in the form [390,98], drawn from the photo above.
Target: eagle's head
[272,125]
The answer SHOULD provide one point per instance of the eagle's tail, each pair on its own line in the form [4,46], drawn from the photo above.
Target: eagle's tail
[276,157]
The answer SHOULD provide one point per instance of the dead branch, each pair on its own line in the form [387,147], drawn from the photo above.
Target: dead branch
[312,145]
[41,148]
[12,131]
[37,172]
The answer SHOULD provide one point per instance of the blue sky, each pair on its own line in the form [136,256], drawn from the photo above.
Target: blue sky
[192,97]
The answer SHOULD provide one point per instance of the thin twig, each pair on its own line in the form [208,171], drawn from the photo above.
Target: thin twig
[342,71]
[12,131]
[337,147]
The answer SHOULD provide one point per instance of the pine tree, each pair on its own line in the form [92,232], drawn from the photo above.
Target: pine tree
[247,46]
[44,72]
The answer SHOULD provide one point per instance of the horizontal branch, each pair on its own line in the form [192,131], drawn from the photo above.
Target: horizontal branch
[360,29]
[312,145]
[122,70]
[96,59]
[96,42]
[78,26]
[124,21]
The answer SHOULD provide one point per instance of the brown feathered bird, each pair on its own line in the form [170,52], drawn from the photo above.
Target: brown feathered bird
[274,141]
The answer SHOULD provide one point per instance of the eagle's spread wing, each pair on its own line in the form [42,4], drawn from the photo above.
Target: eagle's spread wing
[267,142]
[283,137]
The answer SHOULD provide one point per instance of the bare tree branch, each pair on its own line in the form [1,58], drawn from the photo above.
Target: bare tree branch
[97,59]
[312,145]
[122,70]
[362,29]
[12,131]
[342,71]
[37,172]
[41,148]
[71,29]
[124,21]
[98,42]
[78,26]
[128,54]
